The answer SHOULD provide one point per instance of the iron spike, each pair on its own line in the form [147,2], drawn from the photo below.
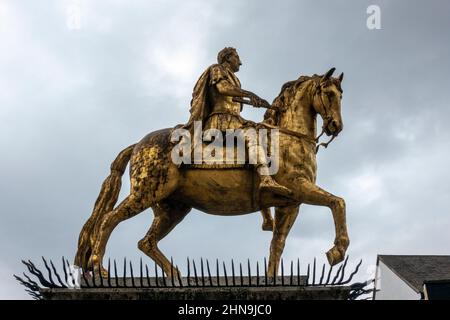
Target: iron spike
[314,272]
[49,273]
[233,276]
[26,284]
[240,274]
[147,276]
[132,276]
[36,272]
[66,267]
[85,279]
[164,277]
[124,276]
[31,281]
[65,270]
[307,275]
[282,271]
[298,272]
[217,273]
[337,275]
[327,282]
[343,270]
[249,273]
[171,272]
[57,275]
[225,273]
[116,277]
[202,272]
[353,273]
[265,272]
[292,274]
[180,281]
[141,277]
[322,275]
[156,275]
[109,272]
[209,272]
[188,273]
[195,273]
[257,274]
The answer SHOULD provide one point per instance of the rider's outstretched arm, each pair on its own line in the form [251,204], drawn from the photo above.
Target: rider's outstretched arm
[227,89]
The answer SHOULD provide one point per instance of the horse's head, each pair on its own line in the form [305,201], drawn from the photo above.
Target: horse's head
[327,102]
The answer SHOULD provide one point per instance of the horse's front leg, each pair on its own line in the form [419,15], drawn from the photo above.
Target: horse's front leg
[284,219]
[314,195]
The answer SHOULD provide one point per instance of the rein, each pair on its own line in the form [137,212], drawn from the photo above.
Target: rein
[291,133]
[302,136]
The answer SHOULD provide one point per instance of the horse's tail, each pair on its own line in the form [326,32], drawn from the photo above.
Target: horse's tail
[105,202]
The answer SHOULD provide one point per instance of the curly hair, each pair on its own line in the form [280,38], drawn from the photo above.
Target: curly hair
[225,53]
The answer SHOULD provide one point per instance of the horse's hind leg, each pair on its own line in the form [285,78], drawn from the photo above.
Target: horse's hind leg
[284,220]
[128,208]
[267,224]
[167,215]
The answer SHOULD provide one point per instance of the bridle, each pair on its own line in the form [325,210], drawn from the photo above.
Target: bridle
[326,119]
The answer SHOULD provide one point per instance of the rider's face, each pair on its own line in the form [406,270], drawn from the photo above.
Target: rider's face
[235,62]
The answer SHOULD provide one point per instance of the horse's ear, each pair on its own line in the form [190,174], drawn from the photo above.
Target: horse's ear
[328,75]
[341,77]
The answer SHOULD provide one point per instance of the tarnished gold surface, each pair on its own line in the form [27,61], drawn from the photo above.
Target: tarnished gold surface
[172,191]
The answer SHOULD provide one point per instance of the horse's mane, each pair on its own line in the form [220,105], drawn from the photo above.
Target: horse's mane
[286,94]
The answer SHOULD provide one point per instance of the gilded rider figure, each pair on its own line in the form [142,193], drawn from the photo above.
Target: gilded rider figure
[213,103]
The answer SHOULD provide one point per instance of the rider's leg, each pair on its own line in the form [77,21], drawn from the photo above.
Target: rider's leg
[267,182]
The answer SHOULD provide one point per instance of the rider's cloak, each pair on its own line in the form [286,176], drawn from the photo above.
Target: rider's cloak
[201,106]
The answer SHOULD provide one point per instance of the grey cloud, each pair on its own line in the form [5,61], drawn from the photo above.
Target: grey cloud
[72,100]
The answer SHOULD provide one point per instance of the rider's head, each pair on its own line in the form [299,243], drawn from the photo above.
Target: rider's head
[230,57]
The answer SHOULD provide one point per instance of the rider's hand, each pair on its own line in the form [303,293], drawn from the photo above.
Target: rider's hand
[265,104]
[258,102]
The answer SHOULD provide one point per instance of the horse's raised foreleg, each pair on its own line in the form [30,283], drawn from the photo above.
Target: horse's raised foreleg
[314,195]
[167,215]
[284,220]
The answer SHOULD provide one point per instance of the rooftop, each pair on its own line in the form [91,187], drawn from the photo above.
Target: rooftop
[415,270]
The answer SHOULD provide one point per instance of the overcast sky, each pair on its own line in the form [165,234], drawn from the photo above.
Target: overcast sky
[75,89]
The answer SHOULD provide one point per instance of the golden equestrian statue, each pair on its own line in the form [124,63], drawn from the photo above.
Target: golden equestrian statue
[172,190]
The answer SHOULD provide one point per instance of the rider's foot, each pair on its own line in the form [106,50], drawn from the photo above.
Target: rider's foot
[268,184]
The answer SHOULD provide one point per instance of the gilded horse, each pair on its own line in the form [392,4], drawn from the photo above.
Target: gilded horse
[172,191]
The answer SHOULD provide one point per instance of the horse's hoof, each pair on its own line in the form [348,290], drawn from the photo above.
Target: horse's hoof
[334,256]
[96,267]
[102,273]
[267,225]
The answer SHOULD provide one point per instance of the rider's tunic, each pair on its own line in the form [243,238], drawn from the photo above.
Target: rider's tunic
[225,113]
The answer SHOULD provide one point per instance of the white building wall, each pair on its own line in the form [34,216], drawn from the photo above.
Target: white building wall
[391,287]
